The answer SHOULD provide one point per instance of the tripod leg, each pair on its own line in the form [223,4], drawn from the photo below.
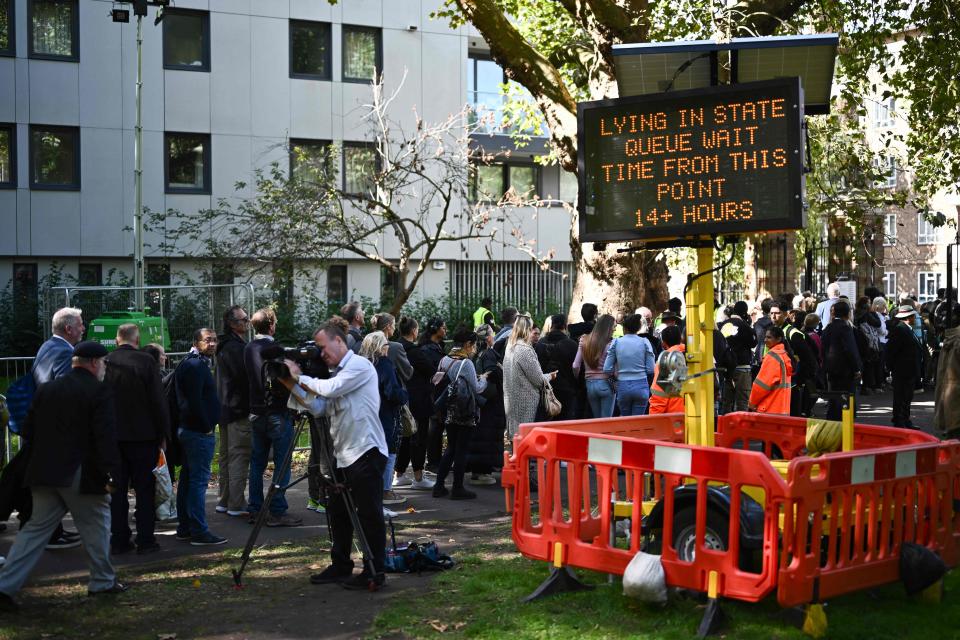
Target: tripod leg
[265,509]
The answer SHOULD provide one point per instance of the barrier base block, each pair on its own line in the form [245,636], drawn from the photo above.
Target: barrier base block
[815,621]
[934,593]
[713,621]
[561,580]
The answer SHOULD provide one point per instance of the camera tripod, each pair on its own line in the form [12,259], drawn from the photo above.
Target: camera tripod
[321,446]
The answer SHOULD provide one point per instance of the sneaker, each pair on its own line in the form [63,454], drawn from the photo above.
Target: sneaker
[207,539]
[312,504]
[118,587]
[63,543]
[430,474]
[283,520]
[459,493]
[320,508]
[402,481]
[440,491]
[481,479]
[423,484]
[221,509]
[388,513]
[363,582]
[331,575]
[392,497]
[238,514]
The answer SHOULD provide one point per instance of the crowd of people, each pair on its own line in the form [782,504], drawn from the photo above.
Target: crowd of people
[409,406]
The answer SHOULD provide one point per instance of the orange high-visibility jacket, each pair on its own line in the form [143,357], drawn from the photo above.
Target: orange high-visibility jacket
[771,389]
[660,402]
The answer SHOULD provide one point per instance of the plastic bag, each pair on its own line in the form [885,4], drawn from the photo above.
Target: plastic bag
[165,497]
[644,579]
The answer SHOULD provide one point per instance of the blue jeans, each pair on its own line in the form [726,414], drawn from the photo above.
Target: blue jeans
[633,397]
[273,429]
[194,477]
[600,396]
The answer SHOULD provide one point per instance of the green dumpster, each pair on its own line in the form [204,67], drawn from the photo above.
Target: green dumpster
[152,328]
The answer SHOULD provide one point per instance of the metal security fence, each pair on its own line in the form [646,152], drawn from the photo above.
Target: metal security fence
[185,308]
[521,283]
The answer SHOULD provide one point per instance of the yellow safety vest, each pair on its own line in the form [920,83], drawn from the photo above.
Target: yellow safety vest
[479,315]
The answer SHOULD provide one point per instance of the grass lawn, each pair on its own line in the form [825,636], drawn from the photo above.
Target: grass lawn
[481,599]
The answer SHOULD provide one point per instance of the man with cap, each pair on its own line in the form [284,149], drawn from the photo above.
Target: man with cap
[904,358]
[73,460]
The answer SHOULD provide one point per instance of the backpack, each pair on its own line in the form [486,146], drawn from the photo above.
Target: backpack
[461,405]
[414,557]
[19,397]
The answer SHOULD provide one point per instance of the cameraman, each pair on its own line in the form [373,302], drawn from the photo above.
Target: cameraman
[360,450]
[270,421]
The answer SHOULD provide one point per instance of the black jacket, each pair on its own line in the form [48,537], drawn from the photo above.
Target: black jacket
[903,353]
[556,352]
[486,441]
[578,329]
[743,342]
[70,426]
[425,359]
[141,409]
[197,399]
[841,358]
[232,384]
[760,331]
[260,404]
[805,366]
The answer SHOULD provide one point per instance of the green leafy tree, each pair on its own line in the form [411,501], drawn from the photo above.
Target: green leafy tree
[562,52]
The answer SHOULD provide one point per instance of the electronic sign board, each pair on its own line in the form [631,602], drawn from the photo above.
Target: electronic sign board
[713,161]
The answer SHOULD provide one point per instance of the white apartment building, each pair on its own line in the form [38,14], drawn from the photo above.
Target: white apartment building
[228,84]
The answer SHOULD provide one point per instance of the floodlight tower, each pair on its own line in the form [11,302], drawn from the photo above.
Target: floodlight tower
[123,15]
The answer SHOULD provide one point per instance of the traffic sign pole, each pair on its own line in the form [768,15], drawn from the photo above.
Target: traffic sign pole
[698,389]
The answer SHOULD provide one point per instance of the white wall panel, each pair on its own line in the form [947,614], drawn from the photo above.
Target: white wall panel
[355,95]
[430,25]
[101,200]
[270,77]
[312,10]
[311,109]
[239,7]
[22,87]
[8,222]
[363,12]
[270,8]
[153,186]
[54,94]
[401,14]
[24,222]
[188,205]
[443,66]
[230,74]
[402,55]
[265,151]
[8,80]
[187,103]
[55,223]
[100,69]
[230,164]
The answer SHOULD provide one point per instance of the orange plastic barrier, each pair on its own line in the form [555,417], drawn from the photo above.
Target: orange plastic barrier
[834,525]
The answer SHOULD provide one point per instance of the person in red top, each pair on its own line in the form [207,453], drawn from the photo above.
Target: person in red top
[771,389]
[660,402]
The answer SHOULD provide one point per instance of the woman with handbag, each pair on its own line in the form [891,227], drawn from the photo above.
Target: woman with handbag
[524,382]
[460,413]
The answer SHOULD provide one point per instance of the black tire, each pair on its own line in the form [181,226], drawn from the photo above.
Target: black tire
[685,532]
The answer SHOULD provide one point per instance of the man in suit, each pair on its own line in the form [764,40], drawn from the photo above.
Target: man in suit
[143,426]
[52,361]
[73,458]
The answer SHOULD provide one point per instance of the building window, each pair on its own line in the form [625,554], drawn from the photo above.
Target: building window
[54,157]
[186,40]
[310,160]
[158,274]
[484,92]
[360,164]
[54,29]
[90,274]
[890,285]
[884,112]
[488,183]
[188,162]
[887,168]
[309,50]
[8,41]
[568,187]
[389,285]
[362,55]
[890,230]
[926,232]
[8,156]
[337,284]
[927,284]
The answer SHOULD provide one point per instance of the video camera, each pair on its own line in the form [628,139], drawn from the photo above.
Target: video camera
[306,355]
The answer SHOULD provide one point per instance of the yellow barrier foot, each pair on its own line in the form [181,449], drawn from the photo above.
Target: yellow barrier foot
[933,593]
[561,580]
[815,620]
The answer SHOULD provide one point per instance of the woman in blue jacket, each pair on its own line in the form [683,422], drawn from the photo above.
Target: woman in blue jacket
[392,396]
[630,360]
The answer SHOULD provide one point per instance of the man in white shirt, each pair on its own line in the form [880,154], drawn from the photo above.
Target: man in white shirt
[823,309]
[352,405]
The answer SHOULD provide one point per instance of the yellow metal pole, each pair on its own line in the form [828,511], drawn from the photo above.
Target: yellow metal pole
[698,391]
[847,422]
